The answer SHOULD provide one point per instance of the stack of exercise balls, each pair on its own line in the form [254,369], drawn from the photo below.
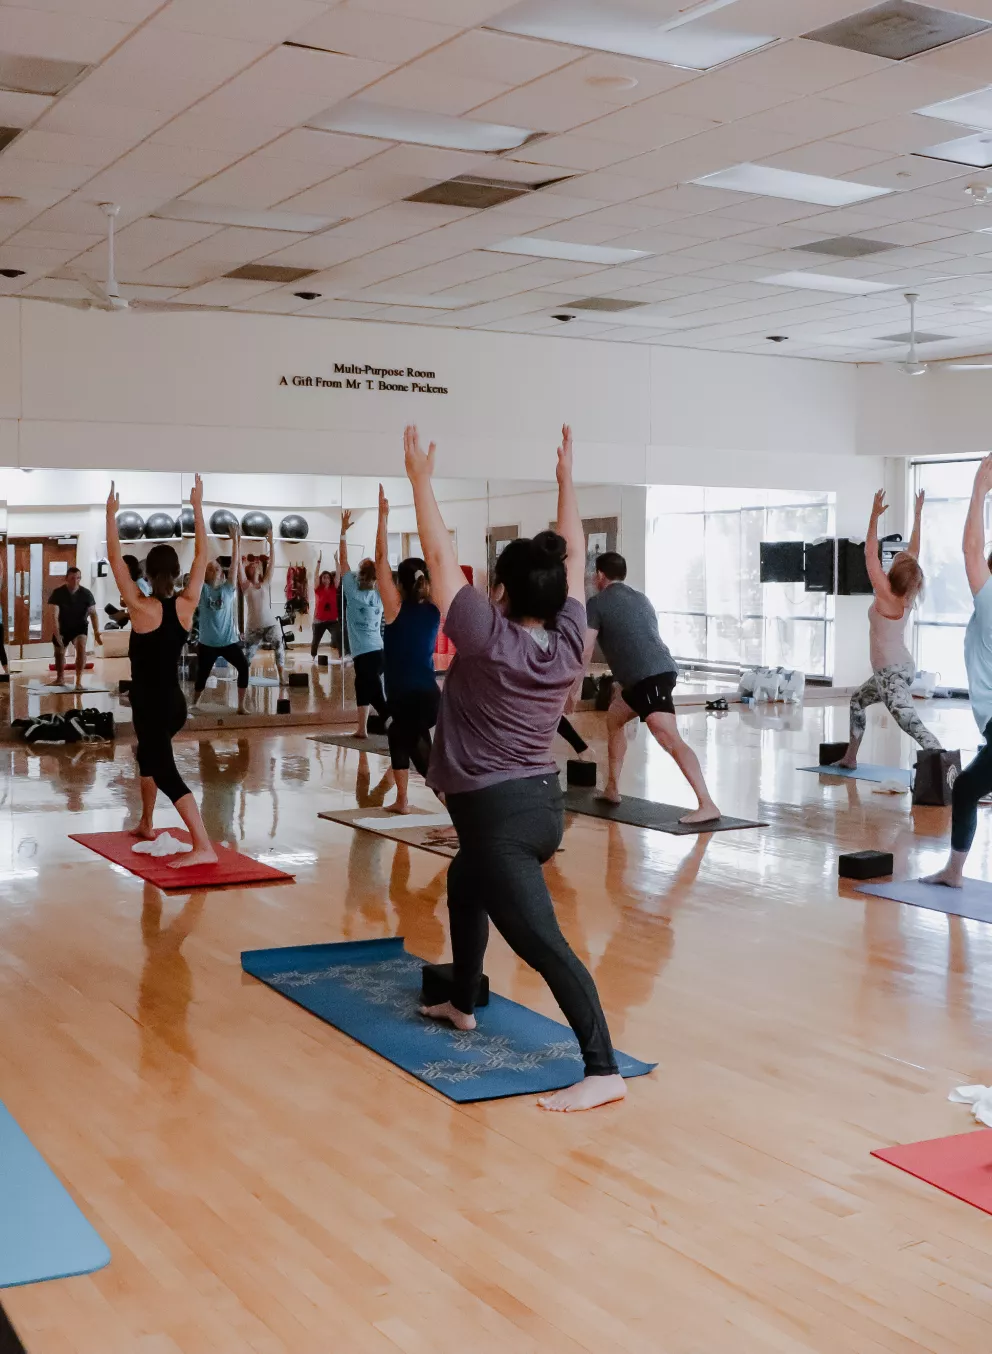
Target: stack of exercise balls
[131,526]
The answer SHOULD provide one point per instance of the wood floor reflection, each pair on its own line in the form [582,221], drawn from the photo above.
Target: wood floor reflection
[267,1185]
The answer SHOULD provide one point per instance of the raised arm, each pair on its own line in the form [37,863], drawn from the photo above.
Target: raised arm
[447,578]
[388,591]
[267,559]
[343,565]
[569,521]
[914,540]
[975,561]
[131,594]
[877,575]
[190,595]
[234,572]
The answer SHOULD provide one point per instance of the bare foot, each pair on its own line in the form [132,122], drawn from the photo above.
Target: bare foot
[446,1011]
[706,813]
[145,831]
[948,877]
[610,794]
[397,807]
[56,681]
[204,855]
[846,764]
[587,1094]
[360,734]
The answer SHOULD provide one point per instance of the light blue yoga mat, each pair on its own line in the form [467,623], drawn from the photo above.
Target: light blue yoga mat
[866,771]
[973,901]
[370,989]
[43,1235]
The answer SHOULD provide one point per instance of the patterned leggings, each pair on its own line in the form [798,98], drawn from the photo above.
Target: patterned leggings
[890,686]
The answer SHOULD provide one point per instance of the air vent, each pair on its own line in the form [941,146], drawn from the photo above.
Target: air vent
[920,338]
[7,135]
[844,247]
[37,74]
[898,29]
[608,303]
[470,190]
[269,272]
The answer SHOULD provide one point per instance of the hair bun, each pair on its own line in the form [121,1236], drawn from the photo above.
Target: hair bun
[549,548]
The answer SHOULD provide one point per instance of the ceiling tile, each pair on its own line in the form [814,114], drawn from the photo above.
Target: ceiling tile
[415,88]
[804,67]
[252,20]
[71,35]
[360,32]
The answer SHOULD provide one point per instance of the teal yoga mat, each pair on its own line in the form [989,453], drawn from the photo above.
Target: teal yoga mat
[43,1235]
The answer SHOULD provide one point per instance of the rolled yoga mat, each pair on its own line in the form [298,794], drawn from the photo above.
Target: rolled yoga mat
[43,1235]
[371,991]
[646,813]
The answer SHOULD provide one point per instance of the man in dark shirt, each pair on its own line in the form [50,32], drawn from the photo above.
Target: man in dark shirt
[626,625]
[72,606]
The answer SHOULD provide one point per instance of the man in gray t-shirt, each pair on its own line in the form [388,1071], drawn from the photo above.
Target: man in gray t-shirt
[626,626]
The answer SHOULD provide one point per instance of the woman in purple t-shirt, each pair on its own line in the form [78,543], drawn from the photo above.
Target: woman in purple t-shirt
[518,656]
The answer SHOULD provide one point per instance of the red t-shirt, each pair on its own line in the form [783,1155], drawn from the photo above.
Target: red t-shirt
[325,604]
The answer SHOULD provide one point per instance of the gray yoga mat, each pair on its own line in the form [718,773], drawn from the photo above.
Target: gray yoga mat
[646,813]
[973,901]
[375,742]
[866,771]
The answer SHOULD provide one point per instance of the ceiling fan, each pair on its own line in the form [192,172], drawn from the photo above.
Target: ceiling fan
[106,295]
[910,365]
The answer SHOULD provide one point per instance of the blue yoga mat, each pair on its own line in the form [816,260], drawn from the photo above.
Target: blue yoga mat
[370,989]
[866,772]
[43,1235]
[974,900]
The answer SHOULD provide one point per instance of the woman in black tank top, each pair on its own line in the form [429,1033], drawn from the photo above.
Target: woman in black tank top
[159,629]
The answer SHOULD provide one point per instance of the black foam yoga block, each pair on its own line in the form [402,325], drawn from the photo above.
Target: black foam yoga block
[283,706]
[4,676]
[581,773]
[436,985]
[322,660]
[831,752]
[376,724]
[299,679]
[124,686]
[936,771]
[865,864]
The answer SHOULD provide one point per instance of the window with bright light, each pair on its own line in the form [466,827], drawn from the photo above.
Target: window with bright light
[702,571]
[946,607]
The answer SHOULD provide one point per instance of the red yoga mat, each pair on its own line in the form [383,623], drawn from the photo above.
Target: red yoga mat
[70,667]
[231,866]
[960,1165]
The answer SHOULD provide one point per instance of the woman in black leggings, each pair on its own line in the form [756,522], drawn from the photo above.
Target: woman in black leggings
[160,627]
[408,643]
[518,656]
[975,781]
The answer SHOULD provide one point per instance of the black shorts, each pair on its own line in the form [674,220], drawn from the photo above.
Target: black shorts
[652,696]
[69,637]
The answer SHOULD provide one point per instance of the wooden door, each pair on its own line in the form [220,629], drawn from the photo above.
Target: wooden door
[40,565]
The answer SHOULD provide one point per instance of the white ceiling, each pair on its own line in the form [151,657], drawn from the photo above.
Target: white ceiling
[200,100]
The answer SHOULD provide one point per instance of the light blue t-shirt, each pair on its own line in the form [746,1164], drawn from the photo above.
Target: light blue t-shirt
[144,587]
[363,612]
[215,614]
[978,656]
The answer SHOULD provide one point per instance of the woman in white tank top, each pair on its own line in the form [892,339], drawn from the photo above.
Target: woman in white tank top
[893,669]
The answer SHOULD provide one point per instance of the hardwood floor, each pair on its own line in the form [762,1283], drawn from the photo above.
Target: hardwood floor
[267,1185]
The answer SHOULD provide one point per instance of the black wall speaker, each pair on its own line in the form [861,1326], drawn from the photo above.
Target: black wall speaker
[819,566]
[782,562]
[852,571]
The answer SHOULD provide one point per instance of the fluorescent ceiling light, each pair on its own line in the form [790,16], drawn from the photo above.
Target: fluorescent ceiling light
[975,150]
[970,110]
[564,249]
[212,215]
[767,182]
[851,286]
[360,117]
[686,38]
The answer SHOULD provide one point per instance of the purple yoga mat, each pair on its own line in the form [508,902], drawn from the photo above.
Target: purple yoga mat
[974,900]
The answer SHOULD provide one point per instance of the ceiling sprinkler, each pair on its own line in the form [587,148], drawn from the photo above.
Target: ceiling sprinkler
[980,193]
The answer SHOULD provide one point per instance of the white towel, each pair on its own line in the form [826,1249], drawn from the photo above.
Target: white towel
[163,845]
[979,1098]
[393,821]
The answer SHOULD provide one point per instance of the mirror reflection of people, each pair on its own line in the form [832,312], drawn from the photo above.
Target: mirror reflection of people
[363,617]
[893,668]
[118,614]
[518,654]
[409,640]
[975,781]
[217,625]
[73,607]
[263,627]
[160,626]
[326,615]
